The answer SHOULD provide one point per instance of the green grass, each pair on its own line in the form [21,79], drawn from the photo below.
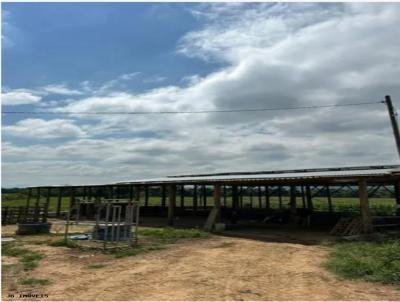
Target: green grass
[95,265]
[33,281]
[370,261]
[62,242]
[19,199]
[28,259]
[379,206]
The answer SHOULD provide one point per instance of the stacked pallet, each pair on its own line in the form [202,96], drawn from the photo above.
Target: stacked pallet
[347,226]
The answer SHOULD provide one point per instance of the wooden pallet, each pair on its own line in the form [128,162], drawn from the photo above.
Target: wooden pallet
[347,226]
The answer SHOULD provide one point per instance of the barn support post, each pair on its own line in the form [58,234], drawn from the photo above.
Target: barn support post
[328,195]
[171,204]
[163,196]
[235,197]
[131,193]
[137,193]
[293,206]
[46,208]
[280,196]
[241,197]
[111,190]
[84,192]
[90,193]
[118,192]
[37,197]
[267,198]
[235,203]
[303,197]
[215,213]
[364,206]
[309,199]
[36,216]
[225,194]
[28,199]
[146,196]
[251,196]
[259,197]
[71,198]
[194,199]
[397,196]
[204,191]
[182,196]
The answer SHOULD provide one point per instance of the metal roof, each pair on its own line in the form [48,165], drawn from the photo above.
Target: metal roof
[341,173]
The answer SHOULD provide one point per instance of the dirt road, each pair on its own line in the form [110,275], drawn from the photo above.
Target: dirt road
[219,268]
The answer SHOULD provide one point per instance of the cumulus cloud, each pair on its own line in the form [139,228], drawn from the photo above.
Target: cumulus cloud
[19,97]
[42,129]
[273,55]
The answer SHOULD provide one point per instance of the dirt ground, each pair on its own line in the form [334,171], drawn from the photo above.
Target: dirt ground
[217,268]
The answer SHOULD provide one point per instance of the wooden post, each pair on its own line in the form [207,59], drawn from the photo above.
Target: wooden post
[37,197]
[111,188]
[267,198]
[241,197]
[364,207]
[46,207]
[194,199]
[259,198]
[182,196]
[204,189]
[146,196]
[280,196]
[235,197]
[163,196]
[131,192]
[328,195]
[397,197]
[251,196]
[303,197]
[137,193]
[225,196]
[309,199]
[214,215]
[293,206]
[84,193]
[118,192]
[59,199]
[28,200]
[90,193]
[71,198]
[171,204]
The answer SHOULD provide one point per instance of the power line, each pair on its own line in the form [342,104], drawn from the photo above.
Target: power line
[188,112]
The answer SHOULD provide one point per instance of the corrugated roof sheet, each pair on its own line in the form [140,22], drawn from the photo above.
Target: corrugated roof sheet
[276,175]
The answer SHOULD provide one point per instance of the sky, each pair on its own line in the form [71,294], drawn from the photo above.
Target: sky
[107,57]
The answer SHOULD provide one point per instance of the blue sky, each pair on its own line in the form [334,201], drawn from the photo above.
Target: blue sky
[177,56]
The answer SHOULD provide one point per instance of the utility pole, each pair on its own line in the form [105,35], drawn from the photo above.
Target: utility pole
[393,121]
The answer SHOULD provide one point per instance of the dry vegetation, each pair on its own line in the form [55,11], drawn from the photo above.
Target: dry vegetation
[171,265]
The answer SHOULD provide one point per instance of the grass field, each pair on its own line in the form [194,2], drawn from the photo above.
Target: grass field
[378,206]
[370,261]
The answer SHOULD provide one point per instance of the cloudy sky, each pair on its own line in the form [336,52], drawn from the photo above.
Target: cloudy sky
[61,57]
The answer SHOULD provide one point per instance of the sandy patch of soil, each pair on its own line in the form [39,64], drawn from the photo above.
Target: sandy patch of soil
[219,268]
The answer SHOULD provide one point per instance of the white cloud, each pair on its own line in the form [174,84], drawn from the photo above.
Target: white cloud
[19,97]
[60,89]
[273,55]
[42,129]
